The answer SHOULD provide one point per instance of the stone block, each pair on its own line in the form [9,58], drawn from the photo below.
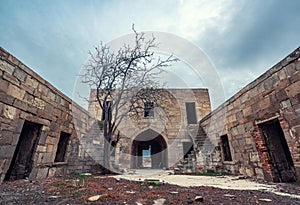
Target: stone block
[242,170]
[3,85]
[247,111]
[56,112]
[57,99]
[20,104]
[282,74]
[295,78]
[6,127]
[239,115]
[13,60]
[19,74]
[52,171]
[254,157]
[43,137]
[41,148]
[49,108]
[7,151]
[42,173]
[249,171]
[8,68]
[44,114]
[242,142]
[31,82]
[285,104]
[28,98]
[270,82]
[297,66]
[297,110]
[10,79]
[51,140]
[259,173]
[5,137]
[38,103]
[265,103]
[290,69]
[249,140]
[50,148]
[43,89]
[15,91]
[51,96]
[9,112]
[5,98]
[45,158]
[231,118]
[293,89]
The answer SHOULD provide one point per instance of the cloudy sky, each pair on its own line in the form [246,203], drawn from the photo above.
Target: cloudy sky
[241,38]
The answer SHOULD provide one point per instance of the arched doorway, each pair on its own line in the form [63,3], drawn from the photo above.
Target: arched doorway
[149,150]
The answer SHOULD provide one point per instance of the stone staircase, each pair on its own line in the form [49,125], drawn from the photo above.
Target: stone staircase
[186,165]
[203,153]
[203,143]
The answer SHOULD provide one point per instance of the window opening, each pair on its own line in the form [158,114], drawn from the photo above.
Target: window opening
[148,109]
[62,147]
[191,112]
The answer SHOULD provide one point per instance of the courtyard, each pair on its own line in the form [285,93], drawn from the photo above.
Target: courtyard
[146,186]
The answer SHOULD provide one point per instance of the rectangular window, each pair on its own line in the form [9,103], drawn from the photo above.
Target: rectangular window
[148,109]
[62,147]
[225,148]
[191,112]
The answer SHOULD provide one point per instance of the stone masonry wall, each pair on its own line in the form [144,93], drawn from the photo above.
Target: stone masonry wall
[174,129]
[274,95]
[25,96]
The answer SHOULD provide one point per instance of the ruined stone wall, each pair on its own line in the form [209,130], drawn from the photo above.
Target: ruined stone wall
[26,97]
[174,127]
[275,95]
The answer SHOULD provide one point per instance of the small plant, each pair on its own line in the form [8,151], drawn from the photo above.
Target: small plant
[153,182]
[80,179]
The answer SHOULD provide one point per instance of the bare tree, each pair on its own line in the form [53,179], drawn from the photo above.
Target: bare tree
[124,81]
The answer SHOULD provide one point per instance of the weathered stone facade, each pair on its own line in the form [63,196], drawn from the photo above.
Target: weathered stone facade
[170,135]
[262,125]
[34,117]
[255,133]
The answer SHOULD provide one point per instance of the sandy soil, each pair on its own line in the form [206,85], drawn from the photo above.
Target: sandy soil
[223,182]
[147,190]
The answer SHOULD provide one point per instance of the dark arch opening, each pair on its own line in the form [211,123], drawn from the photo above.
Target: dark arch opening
[149,150]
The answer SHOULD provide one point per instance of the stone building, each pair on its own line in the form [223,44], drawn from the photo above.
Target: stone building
[257,131]
[37,127]
[164,139]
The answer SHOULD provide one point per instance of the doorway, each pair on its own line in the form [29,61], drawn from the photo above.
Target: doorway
[22,162]
[278,151]
[149,150]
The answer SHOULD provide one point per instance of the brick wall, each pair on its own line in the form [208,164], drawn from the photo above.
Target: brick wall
[25,96]
[274,95]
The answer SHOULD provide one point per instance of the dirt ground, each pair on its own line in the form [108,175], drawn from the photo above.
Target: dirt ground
[116,190]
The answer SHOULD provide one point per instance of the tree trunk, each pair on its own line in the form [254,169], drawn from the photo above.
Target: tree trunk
[106,154]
